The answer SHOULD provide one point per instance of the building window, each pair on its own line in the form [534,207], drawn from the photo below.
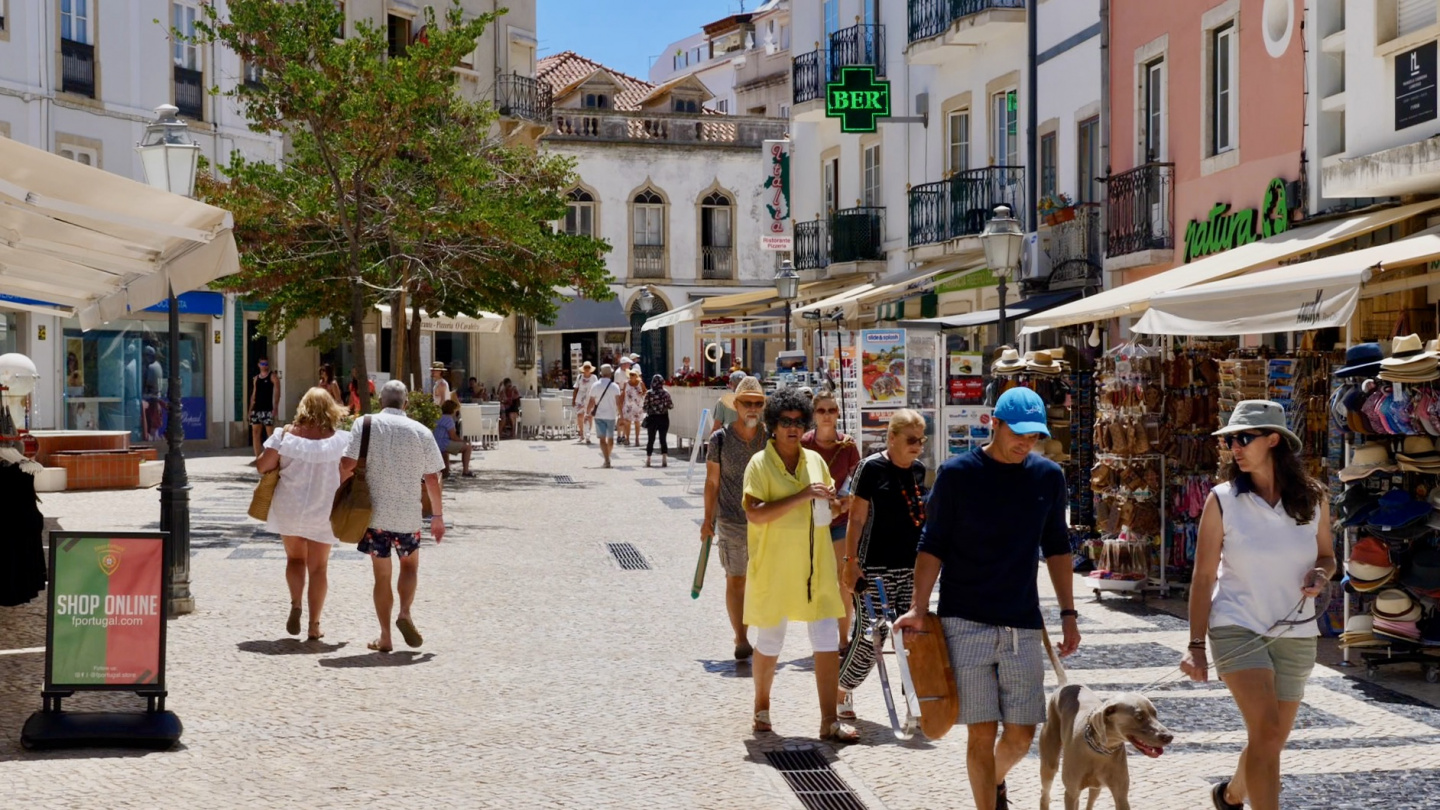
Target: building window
[253,75]
[580,214]
[957,136]
[684,105]
[340,24]
[188,76]
[1004,139]
[1047,165]
[784,110]
[182,19]
[648,237]
[397,32]
[596,101]
[831,172]
[1153,121]
[723,105]
[1413,15]
[75,21]
[77,48]
[1088,159]
[870,177]
[717,244]
[79,154]
[832,17]
[1223,106]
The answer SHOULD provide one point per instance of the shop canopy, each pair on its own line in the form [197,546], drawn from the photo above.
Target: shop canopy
[482,322]
[1310,295]
[99,246]
[584,315]
[896,288]
[1134,298]
[1030,306]
[738,305]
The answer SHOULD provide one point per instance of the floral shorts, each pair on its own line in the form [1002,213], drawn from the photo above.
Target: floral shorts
[266,418]
[378,543]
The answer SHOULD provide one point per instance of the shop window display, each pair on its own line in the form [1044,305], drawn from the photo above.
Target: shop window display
[116,378]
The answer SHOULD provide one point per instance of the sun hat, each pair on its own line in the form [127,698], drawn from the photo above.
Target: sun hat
[624,358]
[1430,630]
[1259,414]
[1368,585]
[1395,605]
[1360,623]
[634,373]
[1010,362]
[438,365]
[1041,362]
[1361,360]
[749,388]
[1057,416]
[1407,632]
[1354,504]
[1023,410]
[1371,552]
[1418,454]
[1398,509]
[1367,460]
[1422,575]
[1404,350]
[1364,572]
[1055,451]
[587,366]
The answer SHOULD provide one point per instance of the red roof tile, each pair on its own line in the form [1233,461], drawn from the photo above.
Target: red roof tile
[563,70]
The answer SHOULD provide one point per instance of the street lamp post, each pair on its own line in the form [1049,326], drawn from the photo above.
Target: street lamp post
[787,286]
[1003,239]
[169,157]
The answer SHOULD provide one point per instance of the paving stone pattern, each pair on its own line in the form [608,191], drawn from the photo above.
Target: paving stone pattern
[551,678]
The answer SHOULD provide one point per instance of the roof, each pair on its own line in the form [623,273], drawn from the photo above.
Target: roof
[567,69]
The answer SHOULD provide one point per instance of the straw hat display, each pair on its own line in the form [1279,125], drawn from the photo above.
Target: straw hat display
[1041,361]
[1409,362]
[1010,362]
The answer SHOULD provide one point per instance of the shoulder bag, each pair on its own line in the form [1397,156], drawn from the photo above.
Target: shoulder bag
[265,491]
[351,510]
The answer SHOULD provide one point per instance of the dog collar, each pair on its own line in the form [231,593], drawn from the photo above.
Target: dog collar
[1095,744]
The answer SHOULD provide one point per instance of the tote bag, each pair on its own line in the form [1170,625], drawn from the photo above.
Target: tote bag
[265,492]
[351,510]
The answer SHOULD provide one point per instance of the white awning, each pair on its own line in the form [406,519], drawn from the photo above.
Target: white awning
[481,322]
[98,245]
[1134,298]
[736,305]
[685,314]
[1310,295]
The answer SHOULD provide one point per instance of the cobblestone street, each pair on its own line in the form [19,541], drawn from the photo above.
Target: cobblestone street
[551,677]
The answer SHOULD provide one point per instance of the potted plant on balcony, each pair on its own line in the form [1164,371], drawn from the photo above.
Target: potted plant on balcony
[1056,208]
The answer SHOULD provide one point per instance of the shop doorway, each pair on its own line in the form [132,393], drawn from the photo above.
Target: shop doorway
[653,346]
[589,348]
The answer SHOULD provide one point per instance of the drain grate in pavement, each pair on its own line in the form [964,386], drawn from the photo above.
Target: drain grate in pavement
[563,479]
[628,556]
[809,775]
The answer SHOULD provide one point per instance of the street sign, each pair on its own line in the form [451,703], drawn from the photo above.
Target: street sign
[858,99]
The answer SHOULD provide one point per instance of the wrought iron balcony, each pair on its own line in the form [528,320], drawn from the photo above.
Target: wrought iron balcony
[929,18]
[812,245]
[862,45]
[649,261]
[857,234]
[930,213]
[961,205]
[717,262]
[807,77]
[523,97]
[77,68]
[1075,259]
[1141,211]
[190,93]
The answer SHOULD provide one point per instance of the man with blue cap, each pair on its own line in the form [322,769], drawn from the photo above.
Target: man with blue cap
[993,512]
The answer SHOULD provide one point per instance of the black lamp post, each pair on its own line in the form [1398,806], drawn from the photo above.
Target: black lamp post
[1003,239]
[170,157]
[787,286]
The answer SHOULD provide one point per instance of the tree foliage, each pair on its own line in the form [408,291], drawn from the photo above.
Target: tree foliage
[392,182]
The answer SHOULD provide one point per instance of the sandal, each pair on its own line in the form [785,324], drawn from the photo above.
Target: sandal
[467,474]
[841,733]
[375,645]
[313,635]
[847,706]
[292,624]
[762,721]
[1217,797]
[407,629]
[743,650]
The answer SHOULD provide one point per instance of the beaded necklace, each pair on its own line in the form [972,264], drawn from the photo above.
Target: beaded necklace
[914,503]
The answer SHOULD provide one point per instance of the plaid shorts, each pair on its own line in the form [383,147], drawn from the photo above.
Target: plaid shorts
[1000,672]
[378,544]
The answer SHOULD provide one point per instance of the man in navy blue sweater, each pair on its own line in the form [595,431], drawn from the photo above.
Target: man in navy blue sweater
[992,513]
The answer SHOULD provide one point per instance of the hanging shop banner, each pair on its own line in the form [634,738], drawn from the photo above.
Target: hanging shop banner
[1415,93]
[882,367]
[1225,229]
[776,191]
[106,628]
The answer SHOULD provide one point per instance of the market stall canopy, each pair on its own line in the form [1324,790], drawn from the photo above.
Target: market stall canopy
[910,283]
[1310,295]
[1133,298]
[1030,306]
[482,322]
[97,245]
[584,315]
[737,305]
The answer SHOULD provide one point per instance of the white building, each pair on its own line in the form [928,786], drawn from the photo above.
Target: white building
[743,60]
[677,195]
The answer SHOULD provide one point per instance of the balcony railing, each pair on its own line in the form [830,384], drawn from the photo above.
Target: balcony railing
[77,67]
[808,77]
[615,126]
[523,97]
[857,45]
[857,235]
[649,261]
[961,205]
[812,245]
[929,18]
[190,93]
[717,262]
[1141,210]
[1075,259]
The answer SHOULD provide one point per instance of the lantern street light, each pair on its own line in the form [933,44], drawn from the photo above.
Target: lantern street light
[169,157]
[787,286]
[645,301]
[1003,239]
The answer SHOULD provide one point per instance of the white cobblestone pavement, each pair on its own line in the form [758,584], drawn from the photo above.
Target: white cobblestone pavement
[551,678]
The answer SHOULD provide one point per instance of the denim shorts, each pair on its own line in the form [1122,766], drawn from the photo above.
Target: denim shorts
[1235,649]
[605,428]
[1000,672]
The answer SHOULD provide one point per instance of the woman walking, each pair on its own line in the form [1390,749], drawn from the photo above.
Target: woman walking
[841,456]
[657,419]
[632,408]
[887,511]
[264,404]
[327,381]
[580,400]
[1264,551]
[307,454]
[790,576]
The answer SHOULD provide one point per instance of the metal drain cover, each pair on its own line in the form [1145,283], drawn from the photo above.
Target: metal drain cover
[815,784]
[564,479]
[628,556]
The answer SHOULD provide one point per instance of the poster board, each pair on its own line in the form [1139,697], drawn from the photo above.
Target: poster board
[882,368]
[966,427]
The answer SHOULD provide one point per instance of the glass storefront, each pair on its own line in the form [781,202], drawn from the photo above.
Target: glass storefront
[9,332]
[117,378]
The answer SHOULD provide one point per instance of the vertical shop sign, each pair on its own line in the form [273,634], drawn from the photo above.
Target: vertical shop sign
[107,611]
[1415,93]
[882,368]
[776,191]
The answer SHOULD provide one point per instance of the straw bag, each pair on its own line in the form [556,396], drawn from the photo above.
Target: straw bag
[265,492]
[351,510]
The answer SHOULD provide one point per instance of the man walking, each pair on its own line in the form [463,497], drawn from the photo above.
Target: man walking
[440,387]
[604,410]
[992,512]
[724,412]
[400,456]
[728,452]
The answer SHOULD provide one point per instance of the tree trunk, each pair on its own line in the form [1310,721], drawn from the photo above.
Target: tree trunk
[357,344]
[420,374]
[399,347]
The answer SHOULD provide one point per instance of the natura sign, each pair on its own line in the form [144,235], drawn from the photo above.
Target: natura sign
[1225,229]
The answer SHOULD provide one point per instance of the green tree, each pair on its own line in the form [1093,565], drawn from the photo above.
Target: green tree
[391,182]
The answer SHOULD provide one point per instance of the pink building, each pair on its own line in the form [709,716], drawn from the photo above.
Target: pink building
[1188,139]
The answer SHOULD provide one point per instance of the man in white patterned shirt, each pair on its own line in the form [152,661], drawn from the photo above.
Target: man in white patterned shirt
[401,454]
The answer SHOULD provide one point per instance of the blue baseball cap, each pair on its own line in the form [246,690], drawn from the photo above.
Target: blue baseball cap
[1023,410]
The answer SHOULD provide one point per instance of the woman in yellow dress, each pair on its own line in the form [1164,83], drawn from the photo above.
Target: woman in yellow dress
[791,576]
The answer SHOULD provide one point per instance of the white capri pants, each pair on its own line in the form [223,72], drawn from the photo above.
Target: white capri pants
[824,637]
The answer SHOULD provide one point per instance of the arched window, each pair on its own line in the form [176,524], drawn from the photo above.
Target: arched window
[648,235]
[717,237]
[580,213]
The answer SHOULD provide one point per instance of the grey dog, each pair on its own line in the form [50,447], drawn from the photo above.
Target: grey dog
[1089,733]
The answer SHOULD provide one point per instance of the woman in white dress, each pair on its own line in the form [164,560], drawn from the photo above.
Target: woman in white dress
[308,454]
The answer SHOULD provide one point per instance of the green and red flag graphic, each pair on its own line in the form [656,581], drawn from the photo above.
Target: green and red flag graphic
[107,612]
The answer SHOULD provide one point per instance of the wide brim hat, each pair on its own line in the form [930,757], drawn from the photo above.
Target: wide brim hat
[1424,371]
[1367,460]
[1368,585]
[1362,360]
[1407,632]
[1354,505]
[587,366]
[1041,362]
[1010,362]
[1057,416]
[749,388]
[1369,551]
[438,366]
[1397,509]
[1055,451]
[1259,414]
[1394,605]
[1404,350]
[1400,537]
[1423,572]
[1365,572]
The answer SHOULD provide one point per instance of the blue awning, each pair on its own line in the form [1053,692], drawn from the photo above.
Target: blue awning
[582,315]
[985,317]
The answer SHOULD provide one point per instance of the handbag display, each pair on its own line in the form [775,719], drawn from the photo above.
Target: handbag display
[265,492]
[351,510]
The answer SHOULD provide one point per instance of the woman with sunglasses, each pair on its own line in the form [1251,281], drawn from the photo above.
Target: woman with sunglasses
[841,455]
[887,511]
[264,404]
[1264,552]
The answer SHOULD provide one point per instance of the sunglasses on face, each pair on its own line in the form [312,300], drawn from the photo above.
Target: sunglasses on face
[819,411]
[1242,439]
[914,441]
[791,422]
[264,365]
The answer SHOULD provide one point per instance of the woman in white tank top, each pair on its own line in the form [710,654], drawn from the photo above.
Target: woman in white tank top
[1264,543]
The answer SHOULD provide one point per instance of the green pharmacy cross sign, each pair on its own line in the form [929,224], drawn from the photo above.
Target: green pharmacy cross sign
[857,99]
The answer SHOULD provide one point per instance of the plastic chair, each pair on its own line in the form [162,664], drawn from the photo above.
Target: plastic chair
[554,424]
[471,417]
[489,424]
[528,425]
